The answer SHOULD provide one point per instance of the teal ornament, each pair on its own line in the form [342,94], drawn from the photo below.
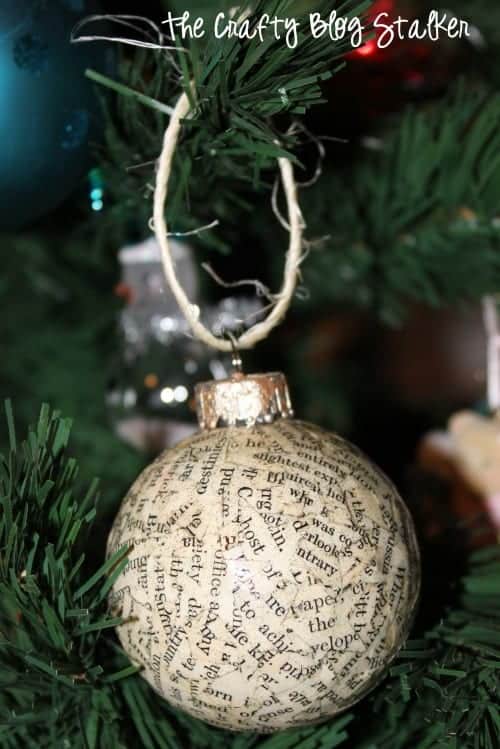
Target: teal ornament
[49,111]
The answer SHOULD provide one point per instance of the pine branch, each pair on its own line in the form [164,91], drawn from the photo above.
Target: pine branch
[64,682]
[53,280]
[246,95]
[484,42]
[418,218]
[444,692]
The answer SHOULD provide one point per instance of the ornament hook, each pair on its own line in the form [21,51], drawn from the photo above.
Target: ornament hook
[236,360]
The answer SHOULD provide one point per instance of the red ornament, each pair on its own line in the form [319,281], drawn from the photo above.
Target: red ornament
[367,50]
[371,48]
[391,75]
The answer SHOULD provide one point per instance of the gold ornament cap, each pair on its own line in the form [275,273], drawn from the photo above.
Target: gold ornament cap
[243,400]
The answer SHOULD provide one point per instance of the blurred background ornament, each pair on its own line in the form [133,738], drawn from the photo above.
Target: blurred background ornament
[150,399]
[413,66]
[386,79]
[151,312]
[96,189]
[461,466]
[476,441]
[49,111]
[450,510]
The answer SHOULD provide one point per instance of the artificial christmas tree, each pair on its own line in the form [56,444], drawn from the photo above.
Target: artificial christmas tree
[405,212]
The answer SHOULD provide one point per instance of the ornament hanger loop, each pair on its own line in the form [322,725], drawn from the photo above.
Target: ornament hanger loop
[294,258]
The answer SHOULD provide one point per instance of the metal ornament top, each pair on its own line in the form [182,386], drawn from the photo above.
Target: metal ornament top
[243,400]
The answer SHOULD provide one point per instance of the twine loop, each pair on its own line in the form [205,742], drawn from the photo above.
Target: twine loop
[295,226]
